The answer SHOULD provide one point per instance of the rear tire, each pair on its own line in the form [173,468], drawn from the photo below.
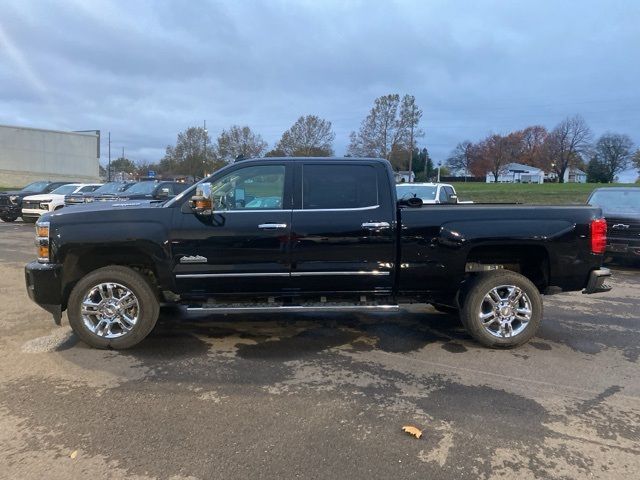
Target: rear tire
[29,219]
[113,307]
[502,309]
[8,219]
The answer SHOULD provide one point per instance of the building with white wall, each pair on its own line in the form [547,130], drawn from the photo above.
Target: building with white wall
[30,154]
[517,173]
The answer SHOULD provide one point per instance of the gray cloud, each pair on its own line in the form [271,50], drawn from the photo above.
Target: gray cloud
[146,70]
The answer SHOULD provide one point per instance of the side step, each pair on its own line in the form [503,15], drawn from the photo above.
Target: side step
[292,308]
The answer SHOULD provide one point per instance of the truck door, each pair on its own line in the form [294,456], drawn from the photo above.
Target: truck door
[343,236]
[243,248]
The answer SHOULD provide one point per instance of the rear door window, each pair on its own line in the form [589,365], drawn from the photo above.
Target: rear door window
[331,186]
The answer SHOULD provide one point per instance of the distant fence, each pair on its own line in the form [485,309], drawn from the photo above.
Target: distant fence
[462,179]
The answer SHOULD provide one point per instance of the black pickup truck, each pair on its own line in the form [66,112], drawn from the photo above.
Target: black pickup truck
[299,234]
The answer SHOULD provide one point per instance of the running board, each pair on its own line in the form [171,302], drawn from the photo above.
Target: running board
[295,308]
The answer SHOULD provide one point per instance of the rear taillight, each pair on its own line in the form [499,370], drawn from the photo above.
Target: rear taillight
[598,235]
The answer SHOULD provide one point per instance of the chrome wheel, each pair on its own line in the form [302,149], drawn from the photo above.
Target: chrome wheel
[110,310]
[505,311]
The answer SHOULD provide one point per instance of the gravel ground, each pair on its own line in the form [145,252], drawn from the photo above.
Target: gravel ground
[320,396]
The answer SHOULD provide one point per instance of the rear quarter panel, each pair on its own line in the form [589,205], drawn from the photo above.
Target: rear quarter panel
[437,240]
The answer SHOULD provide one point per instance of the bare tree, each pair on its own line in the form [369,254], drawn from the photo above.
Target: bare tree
[613,153]
[237,141]
[391,126]
[636,159]
[566,144]
[463,156]
[309,136]
[409,120]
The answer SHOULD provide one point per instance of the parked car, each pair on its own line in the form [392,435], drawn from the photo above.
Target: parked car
[337,240]
[429,193]
[621,208]
[107,191]
[152,190]
[34,206]
[11,201]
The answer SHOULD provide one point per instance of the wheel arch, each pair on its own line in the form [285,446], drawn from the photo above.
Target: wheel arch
[79,263]
[531,261]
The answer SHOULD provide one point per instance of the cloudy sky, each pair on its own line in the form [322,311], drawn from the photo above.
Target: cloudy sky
[146,70]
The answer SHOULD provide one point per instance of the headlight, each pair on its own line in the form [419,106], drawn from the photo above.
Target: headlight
[14,199]
[44,206]
[89,199]
[42,241]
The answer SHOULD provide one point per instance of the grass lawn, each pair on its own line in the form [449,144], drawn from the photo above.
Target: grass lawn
[545,194]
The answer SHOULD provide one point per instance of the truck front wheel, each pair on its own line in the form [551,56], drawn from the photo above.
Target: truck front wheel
[502,309]
[113,307]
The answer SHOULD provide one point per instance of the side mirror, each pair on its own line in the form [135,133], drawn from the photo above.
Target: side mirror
[453,199]
[201,201]
[163,193]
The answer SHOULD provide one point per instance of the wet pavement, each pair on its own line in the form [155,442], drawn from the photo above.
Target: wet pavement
[320,396]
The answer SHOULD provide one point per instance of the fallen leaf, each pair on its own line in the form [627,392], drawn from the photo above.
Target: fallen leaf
[415,431]
[74,454]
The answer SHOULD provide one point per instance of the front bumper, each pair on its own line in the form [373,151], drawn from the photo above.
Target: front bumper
[32,212]
[10,210]
[597,280]
[44,286]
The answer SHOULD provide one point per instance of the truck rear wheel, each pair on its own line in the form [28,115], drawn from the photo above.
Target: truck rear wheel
[502,309]
[8,218]
[113,307]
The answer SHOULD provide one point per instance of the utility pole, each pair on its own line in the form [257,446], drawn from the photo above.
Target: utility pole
[204,160]
[411,143]
[109,168]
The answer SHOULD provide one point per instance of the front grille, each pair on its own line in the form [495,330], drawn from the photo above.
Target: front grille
[4,200]
[31,204]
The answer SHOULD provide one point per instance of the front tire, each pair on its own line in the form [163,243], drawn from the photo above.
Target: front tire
[502,309]
[29,219]
[8,219]
[113,307]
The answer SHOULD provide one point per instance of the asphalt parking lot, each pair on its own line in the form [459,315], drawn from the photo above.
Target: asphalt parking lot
[310,396]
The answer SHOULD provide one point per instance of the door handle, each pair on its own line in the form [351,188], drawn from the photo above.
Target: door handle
[272,226]
[375,225]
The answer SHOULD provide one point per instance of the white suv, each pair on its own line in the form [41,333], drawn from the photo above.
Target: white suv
[35,205]
[430,193]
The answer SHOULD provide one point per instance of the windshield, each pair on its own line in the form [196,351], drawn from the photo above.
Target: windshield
[142,188]
[616,201]
[111,187]
[35,187]
[65,189]
[425,192]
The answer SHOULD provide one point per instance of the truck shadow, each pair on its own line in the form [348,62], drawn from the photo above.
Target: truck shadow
[291,336]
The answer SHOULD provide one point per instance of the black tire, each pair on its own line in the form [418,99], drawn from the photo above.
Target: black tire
[29,219]
[474,301]
[8,219]
[141,287]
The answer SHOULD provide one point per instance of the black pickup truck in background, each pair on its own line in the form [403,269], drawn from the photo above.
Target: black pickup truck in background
[621,208]
[299,234]
[109,190]
[11,201]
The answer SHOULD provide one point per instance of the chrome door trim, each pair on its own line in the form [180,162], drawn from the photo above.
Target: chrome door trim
[376,225]
[223,275]
[322,274]
[272,226]
[293,274]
